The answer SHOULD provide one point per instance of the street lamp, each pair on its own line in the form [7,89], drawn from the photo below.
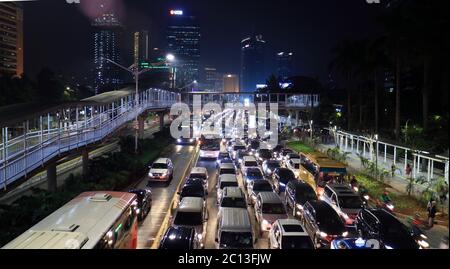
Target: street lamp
[311,129]
[376,156]
[134,70]
[170,58]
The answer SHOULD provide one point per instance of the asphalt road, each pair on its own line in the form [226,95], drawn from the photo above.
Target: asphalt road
[162,195]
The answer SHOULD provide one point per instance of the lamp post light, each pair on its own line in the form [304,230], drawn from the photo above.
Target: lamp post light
[135,72]
[311,129]
[376,156]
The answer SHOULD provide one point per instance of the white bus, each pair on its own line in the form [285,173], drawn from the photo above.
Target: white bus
[92,220]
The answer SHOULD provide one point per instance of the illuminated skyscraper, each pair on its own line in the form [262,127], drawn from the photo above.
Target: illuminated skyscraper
[213,80]
[252,63]
[183,41]
[284,65]
[11,39]
[107,42]
[231,83]
[141,46]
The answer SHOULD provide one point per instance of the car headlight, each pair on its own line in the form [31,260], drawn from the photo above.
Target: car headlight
[423,244]
[366,197]
[269,171]
[391,207]
[257,155]
[179,140]
[388,247]
[199,236]
[150,174]
[345,234]
[323,235]
[138,210]
[423,236]
[300,207]
[164,175]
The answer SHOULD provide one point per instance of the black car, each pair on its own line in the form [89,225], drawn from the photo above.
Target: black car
[283,153]
[186,141]
[277,150]
[383,226]
[297,194]
[193,188]
[144,199]
[240,154]
[269,166]
[263,155]
[224,157]
[253,146]
[257,186]
[322,223]
[281,177]
[181,238]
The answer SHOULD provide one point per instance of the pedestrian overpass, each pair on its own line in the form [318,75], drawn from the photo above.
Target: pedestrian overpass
[35,135]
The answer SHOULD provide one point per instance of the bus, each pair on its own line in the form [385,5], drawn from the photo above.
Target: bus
[317,169]
[92,220]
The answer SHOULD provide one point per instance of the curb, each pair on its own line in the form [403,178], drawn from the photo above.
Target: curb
[165,222]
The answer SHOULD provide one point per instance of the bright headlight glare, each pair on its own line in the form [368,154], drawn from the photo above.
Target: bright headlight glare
[323,235]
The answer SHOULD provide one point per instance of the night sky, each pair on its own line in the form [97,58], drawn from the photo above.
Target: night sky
[59,35]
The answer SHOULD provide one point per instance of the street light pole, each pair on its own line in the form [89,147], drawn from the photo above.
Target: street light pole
[134,70]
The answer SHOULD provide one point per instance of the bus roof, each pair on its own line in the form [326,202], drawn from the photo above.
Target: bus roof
[81,223]
[323,160]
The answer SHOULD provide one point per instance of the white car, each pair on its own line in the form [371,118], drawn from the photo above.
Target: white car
[294,165]
[232,197]
[161,171]
[289,234]
[248,161]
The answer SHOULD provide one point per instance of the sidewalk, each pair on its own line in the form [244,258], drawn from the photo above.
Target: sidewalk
[398,183]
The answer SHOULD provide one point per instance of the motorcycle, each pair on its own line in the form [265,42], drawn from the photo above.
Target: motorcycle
[417,233]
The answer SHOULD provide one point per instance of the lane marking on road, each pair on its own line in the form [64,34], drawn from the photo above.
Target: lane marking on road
[165,222]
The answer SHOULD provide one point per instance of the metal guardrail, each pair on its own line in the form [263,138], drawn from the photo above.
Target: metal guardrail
[27,152]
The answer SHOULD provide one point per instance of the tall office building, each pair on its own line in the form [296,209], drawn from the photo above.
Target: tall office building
[284,65]
[141,47]
[183,41]
[231,83]
[108,34]
[11,39]
[213,80]
[252,63]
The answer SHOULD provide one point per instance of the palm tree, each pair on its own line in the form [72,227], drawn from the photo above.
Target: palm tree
[395,44]
[346,61]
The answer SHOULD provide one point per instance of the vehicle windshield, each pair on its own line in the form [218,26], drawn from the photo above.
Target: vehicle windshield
[236,240]
[273,165]
[296,242]
[228,171]
[210,144]
[199,175]
[262,186]
[276,208]
[250,163]
[265,153]
[228,184]
[193,191]
[233,202]
[254,144]
[188,219]
[330,221]
[254,173]
[351,202]
[223,156]
[394,229]
[240,147]
[304,195]
[286,175]
[159,166]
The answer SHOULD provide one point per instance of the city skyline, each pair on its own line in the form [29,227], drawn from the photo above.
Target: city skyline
[153,17]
